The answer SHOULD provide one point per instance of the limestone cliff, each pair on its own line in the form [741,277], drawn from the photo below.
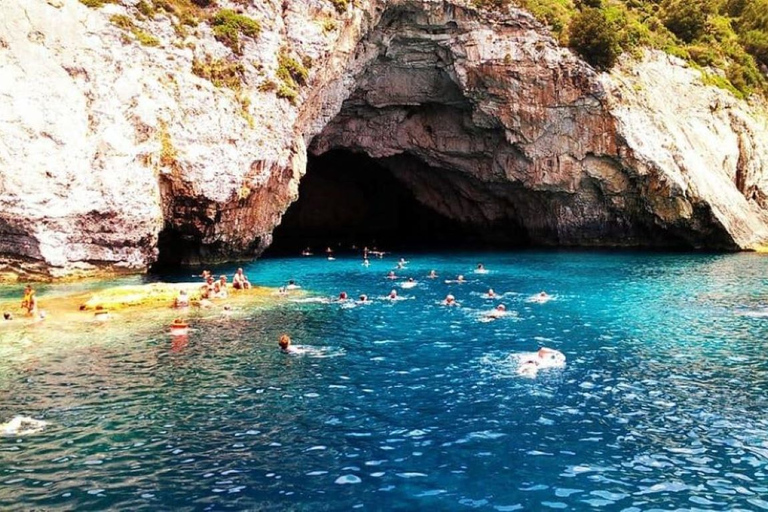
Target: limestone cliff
[123,131]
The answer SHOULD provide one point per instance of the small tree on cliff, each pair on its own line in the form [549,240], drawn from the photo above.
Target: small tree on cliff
[594,38]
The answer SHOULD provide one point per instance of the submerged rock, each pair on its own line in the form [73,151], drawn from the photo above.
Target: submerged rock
[119,151]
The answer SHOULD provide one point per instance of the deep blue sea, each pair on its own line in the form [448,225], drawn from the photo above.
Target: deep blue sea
[409,404]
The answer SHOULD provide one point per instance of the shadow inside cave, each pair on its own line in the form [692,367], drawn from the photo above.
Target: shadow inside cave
[349,200]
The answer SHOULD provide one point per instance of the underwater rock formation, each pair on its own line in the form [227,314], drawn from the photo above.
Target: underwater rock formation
[130,138]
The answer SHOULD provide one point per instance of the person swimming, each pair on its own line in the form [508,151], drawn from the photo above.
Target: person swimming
[540,297]
[363,299]
[292,285]
[432,274]
[392,295]
[284,343]
[481,269]
[306,252]
[491,294]
[410,283]
[343,296]
[366,263]
[391,275]
[498,312]
[450,300]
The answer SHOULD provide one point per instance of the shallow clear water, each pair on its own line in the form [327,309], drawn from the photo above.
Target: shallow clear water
[412,405]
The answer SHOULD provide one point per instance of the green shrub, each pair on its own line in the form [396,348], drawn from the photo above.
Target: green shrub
[491,4]
[145,38]
[290,70]
[122,21]
[146,9]
[554,13]
[228,26]
[95,4]
[340,5]
[593,36]
[127,24]
[286,92]
[756,43]
[686,19]
[220,72]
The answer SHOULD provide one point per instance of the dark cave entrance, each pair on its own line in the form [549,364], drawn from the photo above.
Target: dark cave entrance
[350,200]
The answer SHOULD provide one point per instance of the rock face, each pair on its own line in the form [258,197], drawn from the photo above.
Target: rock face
[115,155]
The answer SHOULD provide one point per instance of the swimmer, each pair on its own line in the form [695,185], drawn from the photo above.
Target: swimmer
[481,269]
[408,284]
[540,297]
[101,314]
[450,300]
[22,425]
[498,312]
[366,263]
[391,275]
[529,363]
[179,328]
[343,296]
[392,295]
[491,294]
[528,368]
[292,285]
[460,279]
[285,343]
[432,274]
[550,358]
[306,252]
[363,299]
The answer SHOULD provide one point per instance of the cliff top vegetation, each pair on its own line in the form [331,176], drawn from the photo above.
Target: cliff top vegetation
[728,39]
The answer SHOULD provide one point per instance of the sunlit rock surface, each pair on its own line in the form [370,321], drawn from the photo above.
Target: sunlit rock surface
[115,155]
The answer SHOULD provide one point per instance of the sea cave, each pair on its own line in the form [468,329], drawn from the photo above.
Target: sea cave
[348,199]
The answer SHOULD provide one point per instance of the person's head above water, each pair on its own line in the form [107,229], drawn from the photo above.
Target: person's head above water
[284,342]
[343,295]
[501,307]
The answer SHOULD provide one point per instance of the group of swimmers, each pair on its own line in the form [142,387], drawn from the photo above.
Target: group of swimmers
[528,364]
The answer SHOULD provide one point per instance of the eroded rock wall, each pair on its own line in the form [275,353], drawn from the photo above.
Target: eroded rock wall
[109,147]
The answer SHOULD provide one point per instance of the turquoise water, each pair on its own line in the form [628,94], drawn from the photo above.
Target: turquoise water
[412,405]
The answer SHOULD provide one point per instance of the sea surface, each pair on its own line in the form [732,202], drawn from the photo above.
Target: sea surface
[409,404]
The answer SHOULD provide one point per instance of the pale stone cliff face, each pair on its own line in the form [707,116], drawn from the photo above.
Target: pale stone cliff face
[110,149]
